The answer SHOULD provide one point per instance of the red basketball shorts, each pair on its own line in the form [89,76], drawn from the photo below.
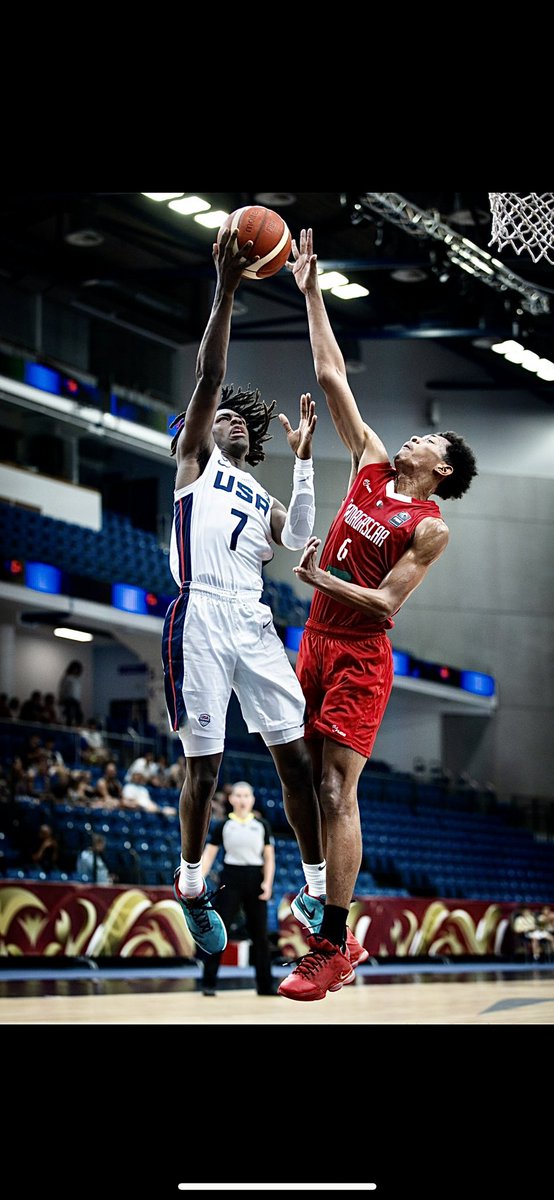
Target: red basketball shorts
[346,684]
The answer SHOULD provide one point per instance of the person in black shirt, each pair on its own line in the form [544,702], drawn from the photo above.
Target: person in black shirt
[248,870]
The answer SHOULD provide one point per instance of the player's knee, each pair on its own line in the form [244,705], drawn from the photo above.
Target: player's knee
[295,766]
[335,798]
[203,780]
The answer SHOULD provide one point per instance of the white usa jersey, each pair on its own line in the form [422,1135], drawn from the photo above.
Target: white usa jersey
[221,531]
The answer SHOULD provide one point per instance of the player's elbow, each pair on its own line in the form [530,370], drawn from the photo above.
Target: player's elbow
[385,603]
[210,378]
[328,373]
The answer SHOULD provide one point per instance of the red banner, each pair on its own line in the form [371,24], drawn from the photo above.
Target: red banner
[54,919]
[408,927]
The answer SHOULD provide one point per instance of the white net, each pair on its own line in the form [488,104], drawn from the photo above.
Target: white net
[524,222]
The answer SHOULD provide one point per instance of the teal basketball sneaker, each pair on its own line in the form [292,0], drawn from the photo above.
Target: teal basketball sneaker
[204,923]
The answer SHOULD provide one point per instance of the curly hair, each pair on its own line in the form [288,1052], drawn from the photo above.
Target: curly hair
[256,415]
[461,458]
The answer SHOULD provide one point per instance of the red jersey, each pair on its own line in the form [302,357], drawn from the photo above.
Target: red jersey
[371,531]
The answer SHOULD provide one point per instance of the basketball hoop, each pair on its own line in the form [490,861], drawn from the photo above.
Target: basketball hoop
[524,222]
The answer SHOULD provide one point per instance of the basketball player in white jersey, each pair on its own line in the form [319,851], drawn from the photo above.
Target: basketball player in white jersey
[218,637]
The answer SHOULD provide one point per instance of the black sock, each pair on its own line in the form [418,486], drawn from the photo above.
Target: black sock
[333,926]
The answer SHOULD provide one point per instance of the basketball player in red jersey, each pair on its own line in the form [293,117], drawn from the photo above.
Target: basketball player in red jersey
[386,535]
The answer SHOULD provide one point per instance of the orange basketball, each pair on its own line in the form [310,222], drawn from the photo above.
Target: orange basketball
[269,233]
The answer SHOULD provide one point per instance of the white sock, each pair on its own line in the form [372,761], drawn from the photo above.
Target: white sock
[191,882]
[315,876]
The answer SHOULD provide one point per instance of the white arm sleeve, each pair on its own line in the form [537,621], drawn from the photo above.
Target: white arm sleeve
[300,517]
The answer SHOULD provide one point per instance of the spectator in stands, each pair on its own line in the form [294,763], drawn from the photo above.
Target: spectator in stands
[46,854]
[160,778]
[135,795]
[5,713]
[50,714]
[33,708]
[145,765]
[54,756]
[108,788]
[91,862]
[247,878]
[220,806]
[177,772]
[33,750]
[16,776]
[92,747]
[526,928]
[71,693]
[38,777]
[81,790]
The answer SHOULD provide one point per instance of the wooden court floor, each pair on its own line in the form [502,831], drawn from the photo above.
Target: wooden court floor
[419,1000]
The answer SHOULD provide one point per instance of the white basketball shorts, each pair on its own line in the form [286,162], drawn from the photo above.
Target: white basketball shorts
[214,643]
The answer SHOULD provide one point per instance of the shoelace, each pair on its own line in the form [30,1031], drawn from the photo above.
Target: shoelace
[308,964]
[199,904]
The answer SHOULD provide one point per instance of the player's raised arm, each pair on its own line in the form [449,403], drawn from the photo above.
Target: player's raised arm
[330,367]
[292,528]
[211,362]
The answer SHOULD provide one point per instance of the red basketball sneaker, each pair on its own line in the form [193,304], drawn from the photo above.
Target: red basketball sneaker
[324,969]
[356,952]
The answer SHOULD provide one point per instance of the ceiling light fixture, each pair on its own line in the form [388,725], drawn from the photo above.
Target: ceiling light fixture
[350,291]
[158,196]
[189,205]
[73,635]
[212,220]
[331,279]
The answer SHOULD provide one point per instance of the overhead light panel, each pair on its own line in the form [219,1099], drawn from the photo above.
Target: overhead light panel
[331,279]
[350,291]
[212,220]
[515,353]
[189,205]
[73,635]
[162,195]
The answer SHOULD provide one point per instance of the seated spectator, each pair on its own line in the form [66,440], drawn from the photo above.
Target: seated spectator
[176,772]
[108,787]
[33,708]
[14,707]
[33,750]
[526,927]
[50,714]
[159,776]
[16,776]
[46,854]
[81,790]
[145,764]
[545,931]
[90,861]
[55,757]
[136,795]
[92,747]
[38,777]
[5,713]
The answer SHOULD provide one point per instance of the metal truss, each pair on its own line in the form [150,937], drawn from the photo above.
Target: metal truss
[463,253]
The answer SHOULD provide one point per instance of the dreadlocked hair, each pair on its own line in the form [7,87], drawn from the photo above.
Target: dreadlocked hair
[255,413]
[177,423]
